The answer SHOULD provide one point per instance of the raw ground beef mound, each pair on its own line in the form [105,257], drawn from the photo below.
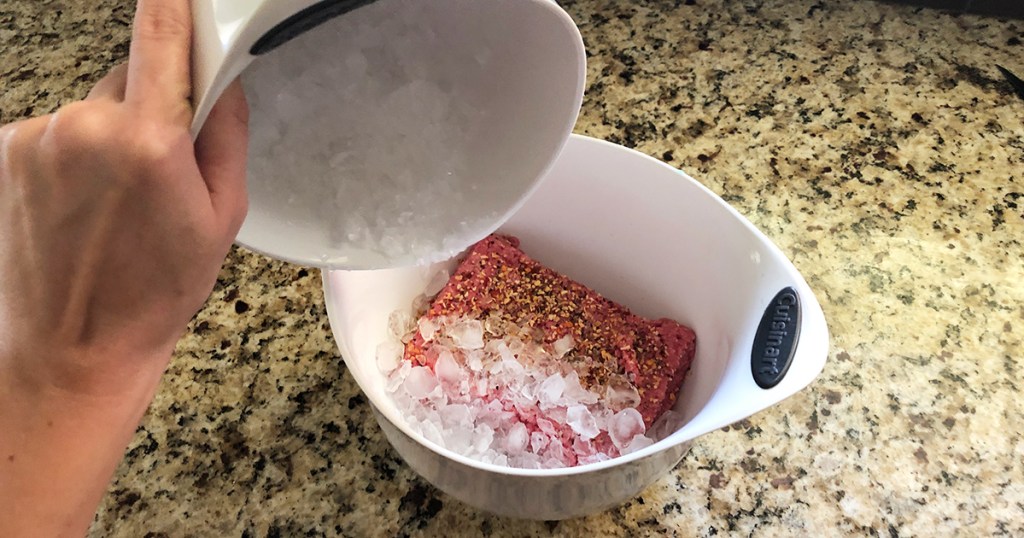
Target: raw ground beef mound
[498,282]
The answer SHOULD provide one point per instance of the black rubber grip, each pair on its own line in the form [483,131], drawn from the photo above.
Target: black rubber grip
[303,21]
[776,339]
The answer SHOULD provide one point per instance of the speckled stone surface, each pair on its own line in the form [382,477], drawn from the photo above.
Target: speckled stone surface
[875,143]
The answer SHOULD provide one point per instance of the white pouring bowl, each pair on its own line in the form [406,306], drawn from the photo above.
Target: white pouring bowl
[650,237]
[525,96]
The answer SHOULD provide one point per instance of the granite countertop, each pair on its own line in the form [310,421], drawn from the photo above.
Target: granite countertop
[875,143]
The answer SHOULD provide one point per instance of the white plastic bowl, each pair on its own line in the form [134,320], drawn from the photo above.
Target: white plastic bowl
[641,233]
[528,94]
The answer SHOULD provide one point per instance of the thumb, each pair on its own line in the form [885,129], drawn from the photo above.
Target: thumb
[222,153]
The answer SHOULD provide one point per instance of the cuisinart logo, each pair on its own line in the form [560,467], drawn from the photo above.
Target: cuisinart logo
[776,339]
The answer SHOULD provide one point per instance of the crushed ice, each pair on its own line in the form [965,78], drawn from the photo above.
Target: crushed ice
[371,134]
[495,393]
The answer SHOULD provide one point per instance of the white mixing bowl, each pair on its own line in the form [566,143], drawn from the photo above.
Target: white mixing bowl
[650,237]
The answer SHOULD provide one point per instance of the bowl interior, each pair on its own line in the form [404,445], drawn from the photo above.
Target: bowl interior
[640,233]
[485,94]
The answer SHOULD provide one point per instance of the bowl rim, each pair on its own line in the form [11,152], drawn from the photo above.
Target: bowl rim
[681,435]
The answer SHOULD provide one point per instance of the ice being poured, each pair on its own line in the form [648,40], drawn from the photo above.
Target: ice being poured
[362,134]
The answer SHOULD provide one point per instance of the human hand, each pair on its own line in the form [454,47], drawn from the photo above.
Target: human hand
[113,226]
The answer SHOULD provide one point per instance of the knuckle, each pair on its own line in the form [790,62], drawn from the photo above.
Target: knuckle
[78,128]
[19,143]
[161,22]
[102,134]
[12,140]
[155,146]
[80,138]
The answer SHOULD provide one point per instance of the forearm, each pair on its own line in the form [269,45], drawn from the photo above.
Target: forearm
[59,448]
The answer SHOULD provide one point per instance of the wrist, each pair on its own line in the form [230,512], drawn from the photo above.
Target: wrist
[83,374]
[63,433]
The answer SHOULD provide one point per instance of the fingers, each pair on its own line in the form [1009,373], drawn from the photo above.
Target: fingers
[112,86]
[159,76]
[221,151]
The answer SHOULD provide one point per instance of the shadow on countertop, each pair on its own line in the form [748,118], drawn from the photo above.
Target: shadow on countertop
[996,8]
